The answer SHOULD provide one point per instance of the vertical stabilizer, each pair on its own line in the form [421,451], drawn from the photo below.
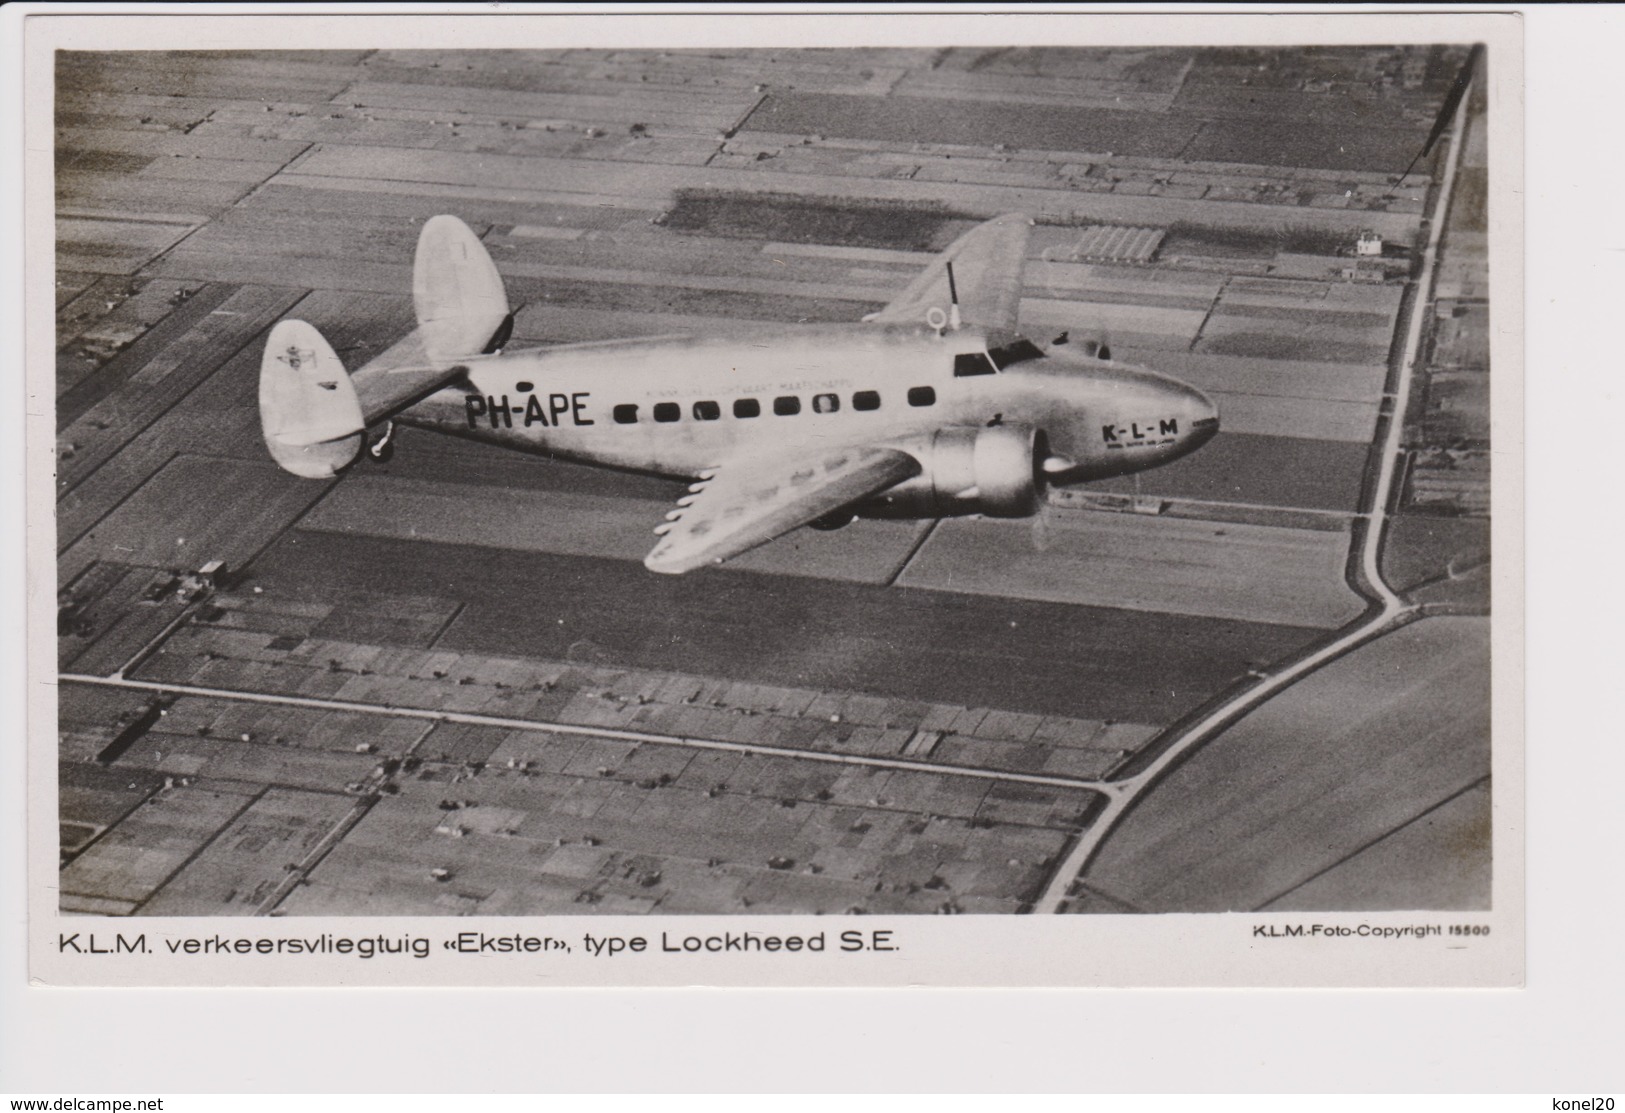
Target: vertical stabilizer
[980,271]
[309,411]
[456,291]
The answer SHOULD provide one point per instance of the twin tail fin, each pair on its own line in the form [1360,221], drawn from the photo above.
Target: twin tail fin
[314,415]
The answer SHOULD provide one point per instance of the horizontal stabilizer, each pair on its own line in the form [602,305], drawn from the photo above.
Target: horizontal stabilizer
[309,411]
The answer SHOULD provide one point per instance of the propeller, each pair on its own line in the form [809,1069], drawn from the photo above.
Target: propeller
[1055,464]
[1050,465]
[1042,528]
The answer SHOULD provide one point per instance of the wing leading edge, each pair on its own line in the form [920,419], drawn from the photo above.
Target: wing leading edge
[750,502]
[988,262]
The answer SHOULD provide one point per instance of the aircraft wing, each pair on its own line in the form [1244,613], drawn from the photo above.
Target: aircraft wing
[749,502]
[988,261]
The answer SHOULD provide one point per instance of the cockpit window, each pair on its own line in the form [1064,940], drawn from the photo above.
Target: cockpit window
[1019,350]
[971,363]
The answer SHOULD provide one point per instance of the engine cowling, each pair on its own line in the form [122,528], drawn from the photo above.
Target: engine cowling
[991,470]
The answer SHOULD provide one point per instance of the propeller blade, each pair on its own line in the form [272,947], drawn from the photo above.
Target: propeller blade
[1042,536]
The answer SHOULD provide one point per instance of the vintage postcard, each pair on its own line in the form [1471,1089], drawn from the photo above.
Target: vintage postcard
[854,500]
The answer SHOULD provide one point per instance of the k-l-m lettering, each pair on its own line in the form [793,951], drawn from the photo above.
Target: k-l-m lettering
[121,944]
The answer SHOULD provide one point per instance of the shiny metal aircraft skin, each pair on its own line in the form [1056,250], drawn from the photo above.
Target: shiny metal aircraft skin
[933,406]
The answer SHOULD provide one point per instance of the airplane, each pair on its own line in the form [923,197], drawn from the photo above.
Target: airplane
[935,406]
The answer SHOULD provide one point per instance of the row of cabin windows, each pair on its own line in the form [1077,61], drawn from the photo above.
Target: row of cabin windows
[786,405]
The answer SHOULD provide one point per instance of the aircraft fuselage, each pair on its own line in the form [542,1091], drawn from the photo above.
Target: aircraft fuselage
[679,406]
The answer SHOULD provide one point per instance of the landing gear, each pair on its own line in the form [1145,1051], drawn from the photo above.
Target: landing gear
[384,447]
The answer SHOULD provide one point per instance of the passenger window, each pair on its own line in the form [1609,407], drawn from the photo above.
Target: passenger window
[920,396]
[625,414]
[747,407]
[667,411]
[866,400]
[826,403]
[787,405]
[972,363]
[707,411]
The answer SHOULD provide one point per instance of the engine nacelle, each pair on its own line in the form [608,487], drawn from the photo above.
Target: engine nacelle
[990,471]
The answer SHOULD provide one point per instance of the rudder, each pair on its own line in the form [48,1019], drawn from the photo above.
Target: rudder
[309,412]
[458,295]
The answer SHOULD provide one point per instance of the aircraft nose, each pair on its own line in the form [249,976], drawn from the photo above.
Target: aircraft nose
[1203,415]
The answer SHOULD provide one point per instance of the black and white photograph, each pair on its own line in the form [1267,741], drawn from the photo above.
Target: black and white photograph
[578,482]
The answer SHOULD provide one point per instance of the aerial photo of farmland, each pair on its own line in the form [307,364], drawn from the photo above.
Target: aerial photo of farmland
[1256,678]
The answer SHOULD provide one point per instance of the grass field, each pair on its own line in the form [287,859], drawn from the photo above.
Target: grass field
[1262,574]
[1087,661]
[1359,750]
